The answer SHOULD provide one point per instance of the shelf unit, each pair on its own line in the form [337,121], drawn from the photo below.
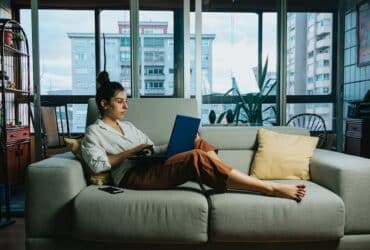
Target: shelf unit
[14,111]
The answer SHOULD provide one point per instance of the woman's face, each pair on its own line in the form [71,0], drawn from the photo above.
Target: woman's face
[117,106]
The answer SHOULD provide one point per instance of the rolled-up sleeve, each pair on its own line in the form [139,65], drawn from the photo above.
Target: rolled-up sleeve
[93,153]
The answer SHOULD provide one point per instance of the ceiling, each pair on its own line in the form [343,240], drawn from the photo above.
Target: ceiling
[208,5]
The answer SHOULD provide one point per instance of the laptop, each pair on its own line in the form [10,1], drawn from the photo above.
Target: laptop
[184,132]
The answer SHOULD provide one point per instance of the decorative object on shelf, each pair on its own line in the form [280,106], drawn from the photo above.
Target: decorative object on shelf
[363,33]
[8,37]
[357,137]
[3,77]
[212,116]
[360,109]
[14,115]
[353,109]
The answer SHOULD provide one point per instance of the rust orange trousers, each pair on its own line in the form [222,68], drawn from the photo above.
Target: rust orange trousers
[194,165]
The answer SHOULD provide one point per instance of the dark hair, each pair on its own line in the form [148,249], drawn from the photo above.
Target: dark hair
[106,90]
[102,77]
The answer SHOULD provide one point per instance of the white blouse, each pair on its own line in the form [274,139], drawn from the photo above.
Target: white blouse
[101,139]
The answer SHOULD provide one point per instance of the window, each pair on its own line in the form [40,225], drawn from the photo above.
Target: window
[67,56]
[153,42]
[311,64]
[323,22]
[153,85]
[156,71]
[323,63]
[157,51]
[322,50]
[67,53]
[321,77]
[153,57]
[118,46]
[125,41]
[125,56]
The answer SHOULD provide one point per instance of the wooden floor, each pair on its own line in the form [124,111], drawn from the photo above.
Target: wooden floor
[13,237]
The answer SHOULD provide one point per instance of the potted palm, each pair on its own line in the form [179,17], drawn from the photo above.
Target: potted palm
[248,108]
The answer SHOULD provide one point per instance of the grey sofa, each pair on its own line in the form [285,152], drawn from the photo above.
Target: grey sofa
[63,212]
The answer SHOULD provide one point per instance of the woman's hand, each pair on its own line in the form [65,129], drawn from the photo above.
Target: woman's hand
[142,148]
[116,159]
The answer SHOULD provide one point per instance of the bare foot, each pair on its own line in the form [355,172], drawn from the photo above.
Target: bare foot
[289,191]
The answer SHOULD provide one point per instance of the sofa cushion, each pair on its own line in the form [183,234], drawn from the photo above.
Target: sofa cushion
[281,156]
[247,217]
[155,216]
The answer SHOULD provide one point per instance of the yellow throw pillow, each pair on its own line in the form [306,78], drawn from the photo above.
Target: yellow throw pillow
[75,146]
[96,179]
[282,156]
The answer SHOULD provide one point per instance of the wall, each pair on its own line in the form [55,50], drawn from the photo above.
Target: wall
[5,9]
[356,79]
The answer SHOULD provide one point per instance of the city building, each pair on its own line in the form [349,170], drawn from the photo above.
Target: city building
[309,61]
[156,53]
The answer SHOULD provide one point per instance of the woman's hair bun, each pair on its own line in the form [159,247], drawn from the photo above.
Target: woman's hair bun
[103,78]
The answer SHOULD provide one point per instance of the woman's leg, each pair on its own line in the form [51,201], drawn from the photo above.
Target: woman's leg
[204,166]
[239,180]
[194,165]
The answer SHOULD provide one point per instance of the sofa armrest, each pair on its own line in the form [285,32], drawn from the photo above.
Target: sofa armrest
[51,186]
[349,177]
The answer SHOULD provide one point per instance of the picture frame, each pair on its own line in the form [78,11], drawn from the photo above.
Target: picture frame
[363,33]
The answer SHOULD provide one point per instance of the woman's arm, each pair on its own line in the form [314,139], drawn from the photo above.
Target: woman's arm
[116,159]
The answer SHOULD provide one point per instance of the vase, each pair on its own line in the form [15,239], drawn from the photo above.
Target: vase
[212,117]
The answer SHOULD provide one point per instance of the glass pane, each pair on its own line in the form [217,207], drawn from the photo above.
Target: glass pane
[77,117]
[269,42]
[309,58]
[115,26]
[229,50]
[67,51]
[229,56]
[325,110]
[156,53]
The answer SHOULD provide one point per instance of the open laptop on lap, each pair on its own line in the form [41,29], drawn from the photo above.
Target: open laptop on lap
[182,138]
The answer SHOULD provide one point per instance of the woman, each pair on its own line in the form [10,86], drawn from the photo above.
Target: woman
[109,142]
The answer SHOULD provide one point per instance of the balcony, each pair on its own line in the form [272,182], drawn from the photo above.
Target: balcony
[323,69]
[323,83]
[323,43]
[155,91]
[323,56]
[323,29]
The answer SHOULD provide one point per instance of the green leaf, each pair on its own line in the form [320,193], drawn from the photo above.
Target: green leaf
[222,115]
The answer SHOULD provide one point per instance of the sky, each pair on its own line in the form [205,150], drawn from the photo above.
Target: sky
[234,48]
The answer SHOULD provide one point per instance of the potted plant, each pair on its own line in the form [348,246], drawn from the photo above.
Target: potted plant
[248,109]
[18,38]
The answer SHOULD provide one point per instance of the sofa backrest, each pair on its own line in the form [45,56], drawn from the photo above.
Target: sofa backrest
[241,137]
[237,145]
[153,116]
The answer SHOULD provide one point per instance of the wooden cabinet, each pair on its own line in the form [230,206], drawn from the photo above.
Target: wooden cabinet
[18,155]
[357,141]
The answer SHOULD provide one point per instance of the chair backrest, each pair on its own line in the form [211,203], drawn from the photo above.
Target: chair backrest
[313,123]
[53,125]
